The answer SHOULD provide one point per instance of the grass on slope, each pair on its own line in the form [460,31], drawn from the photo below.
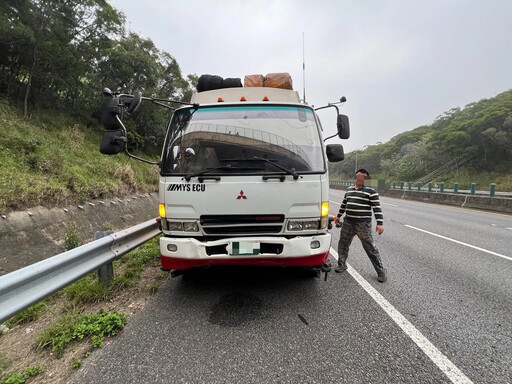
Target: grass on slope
[51,160]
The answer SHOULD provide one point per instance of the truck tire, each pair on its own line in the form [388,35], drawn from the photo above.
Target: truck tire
[208,83]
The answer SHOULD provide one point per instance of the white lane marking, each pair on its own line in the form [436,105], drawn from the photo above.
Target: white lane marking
[444,364]
[509,228]
[460,242]
[334,202]
[493,225]
[393,205]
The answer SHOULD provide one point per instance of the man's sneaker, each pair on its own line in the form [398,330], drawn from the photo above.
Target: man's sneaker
[381,276]
[340,268]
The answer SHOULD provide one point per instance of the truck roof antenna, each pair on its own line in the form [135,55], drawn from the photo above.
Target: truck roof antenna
[303,71]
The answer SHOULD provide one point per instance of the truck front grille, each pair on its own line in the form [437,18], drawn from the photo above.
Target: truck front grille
[239,225]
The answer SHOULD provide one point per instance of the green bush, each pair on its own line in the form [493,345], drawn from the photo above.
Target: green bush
[76,328]
[29,314]
[72,239]
[17,378]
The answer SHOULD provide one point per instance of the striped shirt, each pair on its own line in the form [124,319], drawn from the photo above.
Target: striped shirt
[358,204]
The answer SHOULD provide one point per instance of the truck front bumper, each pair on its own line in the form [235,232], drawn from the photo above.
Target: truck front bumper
[186,253]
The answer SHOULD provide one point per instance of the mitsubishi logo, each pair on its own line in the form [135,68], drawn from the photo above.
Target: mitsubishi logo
[241,196]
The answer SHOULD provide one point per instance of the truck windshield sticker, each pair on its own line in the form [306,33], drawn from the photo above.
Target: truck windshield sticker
[186,187]
[302,114]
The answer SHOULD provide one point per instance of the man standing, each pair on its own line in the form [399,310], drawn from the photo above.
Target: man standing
[357,205]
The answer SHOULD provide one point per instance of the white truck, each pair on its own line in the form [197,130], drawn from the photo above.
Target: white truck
[243,177]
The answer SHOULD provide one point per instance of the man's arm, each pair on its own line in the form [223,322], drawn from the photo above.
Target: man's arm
[341,211]
[377,211]
[343,207]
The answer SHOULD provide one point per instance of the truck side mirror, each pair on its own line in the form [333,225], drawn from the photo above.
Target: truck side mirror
[113,142]
[343,127]
[335,153]
[134,103]
[109,113]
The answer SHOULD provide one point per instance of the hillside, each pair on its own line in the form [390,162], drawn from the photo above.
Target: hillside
[475,142]
[50,159]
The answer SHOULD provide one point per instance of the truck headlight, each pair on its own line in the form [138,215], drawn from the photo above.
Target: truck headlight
[175,226]
[295,225]
[183,226]
[308,225]
[190,226]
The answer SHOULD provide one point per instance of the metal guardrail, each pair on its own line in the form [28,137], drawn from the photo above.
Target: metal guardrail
[433,188]
[27,286]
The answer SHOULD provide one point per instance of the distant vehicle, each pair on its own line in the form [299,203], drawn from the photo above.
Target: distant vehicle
[243,177]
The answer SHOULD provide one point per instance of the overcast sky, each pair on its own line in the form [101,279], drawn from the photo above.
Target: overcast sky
[399,63]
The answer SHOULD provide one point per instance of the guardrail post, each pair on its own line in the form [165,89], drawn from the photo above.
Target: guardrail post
[493,190]
[106,271]
[429,187]
[441,187]
[419,186]
[456,188]
[473,188]
[401,185]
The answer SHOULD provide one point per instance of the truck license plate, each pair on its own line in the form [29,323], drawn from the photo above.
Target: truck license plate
[244,248]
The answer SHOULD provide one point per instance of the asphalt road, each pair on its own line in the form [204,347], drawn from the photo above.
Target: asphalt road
[444,315]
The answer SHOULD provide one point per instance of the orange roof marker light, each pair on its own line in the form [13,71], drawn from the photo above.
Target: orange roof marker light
[266,98]
[220,100]
[243,98]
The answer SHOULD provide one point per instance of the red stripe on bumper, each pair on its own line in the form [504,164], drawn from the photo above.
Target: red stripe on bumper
[308,261]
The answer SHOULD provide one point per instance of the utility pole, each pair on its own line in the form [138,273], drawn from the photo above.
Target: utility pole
[357,152]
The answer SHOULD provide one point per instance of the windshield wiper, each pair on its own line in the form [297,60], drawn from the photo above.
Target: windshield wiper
[189,176]
[288,171]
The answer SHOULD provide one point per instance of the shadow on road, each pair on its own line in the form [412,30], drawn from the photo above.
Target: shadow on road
[232,296]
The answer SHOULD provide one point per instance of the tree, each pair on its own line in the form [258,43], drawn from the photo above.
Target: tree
[59,54]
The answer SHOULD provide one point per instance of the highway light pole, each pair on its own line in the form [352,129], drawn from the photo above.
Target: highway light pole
[357,151]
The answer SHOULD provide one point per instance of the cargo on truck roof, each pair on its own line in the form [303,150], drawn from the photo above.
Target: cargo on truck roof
[281,80]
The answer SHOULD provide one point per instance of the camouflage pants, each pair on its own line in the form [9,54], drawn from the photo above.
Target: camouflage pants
[363,230]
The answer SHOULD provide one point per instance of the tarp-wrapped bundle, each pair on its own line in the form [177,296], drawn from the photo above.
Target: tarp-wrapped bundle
[272,80]
[232,82]
[211,82]
[278,80]
[254,81]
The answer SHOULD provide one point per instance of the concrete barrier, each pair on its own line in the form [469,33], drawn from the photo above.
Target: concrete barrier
[37,233]
[487,203]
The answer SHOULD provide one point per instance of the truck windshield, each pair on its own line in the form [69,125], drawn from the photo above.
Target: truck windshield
[243,139]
